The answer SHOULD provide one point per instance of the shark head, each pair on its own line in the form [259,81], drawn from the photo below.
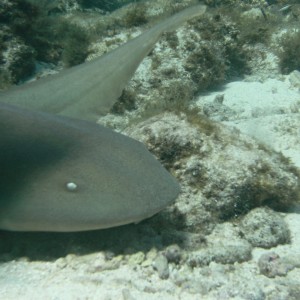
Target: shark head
[63,174]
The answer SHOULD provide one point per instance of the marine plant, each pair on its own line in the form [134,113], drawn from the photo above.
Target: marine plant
[136,16]
[75,41]
[29,33]
[125,102]
[103,4]
[206,66]
[288,53]
[221,55]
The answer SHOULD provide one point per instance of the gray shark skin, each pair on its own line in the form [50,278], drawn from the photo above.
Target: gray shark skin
[61,173]
[114,179]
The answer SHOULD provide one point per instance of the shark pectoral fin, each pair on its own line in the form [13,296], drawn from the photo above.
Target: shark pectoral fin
[91,89]
[105,78]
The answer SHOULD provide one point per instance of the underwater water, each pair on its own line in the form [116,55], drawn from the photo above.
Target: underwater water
[216,102]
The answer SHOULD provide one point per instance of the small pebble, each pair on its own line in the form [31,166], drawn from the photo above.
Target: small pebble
[262,227]
[160,264]
[173,254]
[271,265]
[127,295]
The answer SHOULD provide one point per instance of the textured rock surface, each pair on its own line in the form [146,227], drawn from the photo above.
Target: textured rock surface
[263,228]
[94,273]
[222,173]
[271,265]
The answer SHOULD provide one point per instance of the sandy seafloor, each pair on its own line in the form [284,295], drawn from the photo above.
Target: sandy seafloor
[92,266]
[78,278]
[90,276]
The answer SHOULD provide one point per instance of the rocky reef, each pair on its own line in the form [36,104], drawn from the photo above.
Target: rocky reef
[217,102]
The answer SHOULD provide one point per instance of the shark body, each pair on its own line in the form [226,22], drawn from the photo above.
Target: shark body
[60,172]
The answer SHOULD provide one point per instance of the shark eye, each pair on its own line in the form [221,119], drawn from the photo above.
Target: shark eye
[71,186]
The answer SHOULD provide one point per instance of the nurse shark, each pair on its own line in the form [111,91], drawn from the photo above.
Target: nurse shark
[60,171]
